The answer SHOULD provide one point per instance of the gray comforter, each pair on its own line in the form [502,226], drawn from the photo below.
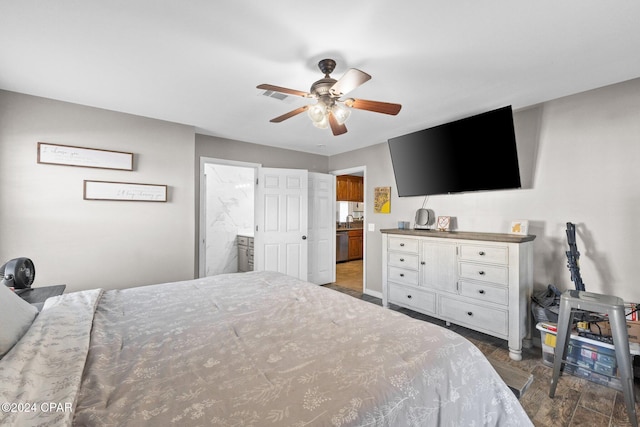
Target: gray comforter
[253,349]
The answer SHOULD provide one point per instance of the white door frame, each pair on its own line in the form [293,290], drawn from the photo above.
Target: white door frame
[349,171]
[203,204]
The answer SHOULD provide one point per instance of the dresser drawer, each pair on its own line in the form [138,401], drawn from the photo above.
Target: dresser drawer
[401,275]
[244,240]
[403,244]
[484,292]
[486,273]
[403,260]
[422,301]
[490,254]
[492,320]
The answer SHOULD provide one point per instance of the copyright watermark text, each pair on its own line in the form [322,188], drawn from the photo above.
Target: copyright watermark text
[35,407]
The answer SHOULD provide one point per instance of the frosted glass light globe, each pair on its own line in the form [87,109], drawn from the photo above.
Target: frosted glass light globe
[341,113]
[317,112]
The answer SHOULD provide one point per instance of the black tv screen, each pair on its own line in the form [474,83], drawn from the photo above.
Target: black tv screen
[473,154]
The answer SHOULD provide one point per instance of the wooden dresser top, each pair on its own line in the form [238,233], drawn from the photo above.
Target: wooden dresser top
[463,235]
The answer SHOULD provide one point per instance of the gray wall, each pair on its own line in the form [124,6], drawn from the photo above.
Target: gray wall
[271,157]
[91,244]
[580,161]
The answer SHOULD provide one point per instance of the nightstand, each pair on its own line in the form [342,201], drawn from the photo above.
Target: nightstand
[37,296]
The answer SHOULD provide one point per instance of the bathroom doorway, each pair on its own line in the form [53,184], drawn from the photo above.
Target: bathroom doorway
[232,209]
[227,212]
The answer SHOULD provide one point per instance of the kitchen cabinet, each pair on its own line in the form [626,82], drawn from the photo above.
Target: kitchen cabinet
[482,281]
[349,188]
[355,244]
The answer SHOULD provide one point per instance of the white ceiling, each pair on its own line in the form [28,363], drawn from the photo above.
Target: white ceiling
[198,62]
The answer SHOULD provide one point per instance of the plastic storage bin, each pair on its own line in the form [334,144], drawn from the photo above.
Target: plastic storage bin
[585,358]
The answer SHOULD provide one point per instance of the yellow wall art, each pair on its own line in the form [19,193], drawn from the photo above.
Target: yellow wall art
[382,200]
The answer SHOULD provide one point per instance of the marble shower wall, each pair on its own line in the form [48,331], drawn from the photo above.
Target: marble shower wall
[229,212]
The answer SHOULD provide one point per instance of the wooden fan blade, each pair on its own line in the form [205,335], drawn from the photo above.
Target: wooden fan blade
[284,90]
[336,128]
[289,114]
[375,106]
[351,80]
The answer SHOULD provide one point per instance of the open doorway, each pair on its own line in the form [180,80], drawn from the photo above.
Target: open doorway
[350,228]
[226,216]
[256,218]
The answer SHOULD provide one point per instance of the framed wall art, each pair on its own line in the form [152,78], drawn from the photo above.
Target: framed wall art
[69,155]
[125,191]
[382,200]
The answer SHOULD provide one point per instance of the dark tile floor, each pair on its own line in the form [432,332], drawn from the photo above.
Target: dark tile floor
[577,402]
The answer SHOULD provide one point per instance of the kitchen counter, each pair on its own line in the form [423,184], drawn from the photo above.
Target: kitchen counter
[339,229]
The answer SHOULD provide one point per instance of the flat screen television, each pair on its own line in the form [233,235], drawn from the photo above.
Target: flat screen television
[476,153]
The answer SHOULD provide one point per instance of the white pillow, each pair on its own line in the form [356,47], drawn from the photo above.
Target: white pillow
[16,315]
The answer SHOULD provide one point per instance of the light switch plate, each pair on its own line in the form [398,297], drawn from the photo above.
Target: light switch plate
[372,227]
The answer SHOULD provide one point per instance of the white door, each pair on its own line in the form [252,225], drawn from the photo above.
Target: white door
[322,228]
[281,222]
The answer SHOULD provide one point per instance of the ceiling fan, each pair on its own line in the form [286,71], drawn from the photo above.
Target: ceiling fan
[330,110]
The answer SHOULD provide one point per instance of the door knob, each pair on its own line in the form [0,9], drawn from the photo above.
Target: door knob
[304,237]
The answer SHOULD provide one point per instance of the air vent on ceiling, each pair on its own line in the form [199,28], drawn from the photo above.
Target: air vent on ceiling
[276,95]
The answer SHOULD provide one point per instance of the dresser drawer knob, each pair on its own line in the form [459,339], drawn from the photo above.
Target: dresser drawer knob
[422,263]
[481,273]
[481,253]
[401,259]
[409,296]
[401,244]
[401,274]
[469,313]
[481,291]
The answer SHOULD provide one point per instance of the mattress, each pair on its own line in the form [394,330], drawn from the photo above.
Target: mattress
[246,349]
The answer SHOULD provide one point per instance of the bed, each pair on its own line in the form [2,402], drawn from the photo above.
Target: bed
[246,349]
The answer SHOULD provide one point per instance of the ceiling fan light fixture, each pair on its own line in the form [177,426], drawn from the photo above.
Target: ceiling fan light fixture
[322,124]
[317,112]
[330,111]
[340,112]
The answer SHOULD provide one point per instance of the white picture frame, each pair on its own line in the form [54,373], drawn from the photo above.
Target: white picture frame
[443,223]
[520,227]
[124,191]
[69,155]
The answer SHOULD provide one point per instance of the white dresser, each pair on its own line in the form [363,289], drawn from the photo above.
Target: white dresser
[482,281]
